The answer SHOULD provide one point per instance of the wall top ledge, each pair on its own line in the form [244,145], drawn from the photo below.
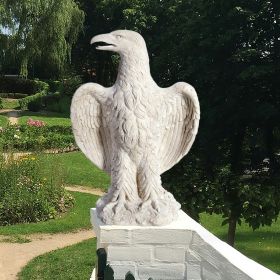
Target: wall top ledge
[204,244]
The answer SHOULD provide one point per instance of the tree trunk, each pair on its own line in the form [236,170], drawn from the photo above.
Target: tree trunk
[231,231]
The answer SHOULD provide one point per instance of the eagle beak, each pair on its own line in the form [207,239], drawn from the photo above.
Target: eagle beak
[108,39]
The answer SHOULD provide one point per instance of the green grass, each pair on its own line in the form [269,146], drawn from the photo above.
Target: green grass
[10,103]
[262,245]
[49,118]
[75,262]
[78,170]
[3,120]
[77,218]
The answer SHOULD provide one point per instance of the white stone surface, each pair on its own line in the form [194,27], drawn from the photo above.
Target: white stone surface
[180,250]
[135,130]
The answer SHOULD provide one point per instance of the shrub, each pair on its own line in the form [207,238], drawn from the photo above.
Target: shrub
[1,103]
[14,95]
[35,105]
[36,99]
[26,195]
[18,85]
[26,137]
[54,85]
[70,85]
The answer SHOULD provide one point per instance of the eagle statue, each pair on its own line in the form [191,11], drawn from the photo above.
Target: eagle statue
[135,131]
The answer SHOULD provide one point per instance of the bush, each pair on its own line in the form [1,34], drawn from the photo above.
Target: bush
[70,85]
[43,89]
[1,103]
[54,85]
[57,103]
[18,85]
[14,95]
[26,195]
[35,105]
[34,138]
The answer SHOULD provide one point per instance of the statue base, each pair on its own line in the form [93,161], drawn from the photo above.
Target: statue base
[180,250]
[158,210]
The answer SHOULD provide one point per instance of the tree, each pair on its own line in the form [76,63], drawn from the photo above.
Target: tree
[231,53]
[43,31]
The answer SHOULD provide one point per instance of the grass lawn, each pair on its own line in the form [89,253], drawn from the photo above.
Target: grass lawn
[262,245]
[50,118]
[78,170]
[77,218]
[75,262]
[3,120]
[10,103]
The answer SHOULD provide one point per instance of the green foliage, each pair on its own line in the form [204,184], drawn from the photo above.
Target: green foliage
[1,103]
[25,196]
[61,21]
[57,103]
[3,121]
[253,199]
[54,85]
[42,89]
[69,86]
[14,95]
[18,85]
[10,103]
[76,218]
[32,138]
[34,105]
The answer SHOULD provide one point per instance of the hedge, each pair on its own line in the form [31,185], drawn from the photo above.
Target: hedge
[43,89]
[19,85]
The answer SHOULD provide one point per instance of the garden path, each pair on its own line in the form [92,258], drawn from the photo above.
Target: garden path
[12,115]
[14,256]
[82,189]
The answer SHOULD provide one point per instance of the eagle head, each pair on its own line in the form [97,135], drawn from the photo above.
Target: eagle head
[121,41]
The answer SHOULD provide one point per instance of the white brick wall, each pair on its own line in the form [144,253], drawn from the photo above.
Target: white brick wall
[183,250]
[128,253]
[169,254]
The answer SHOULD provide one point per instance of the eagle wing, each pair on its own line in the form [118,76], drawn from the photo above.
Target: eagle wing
[180,114]
[89,125]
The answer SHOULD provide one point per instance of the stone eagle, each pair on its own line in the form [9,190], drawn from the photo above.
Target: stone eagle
[135,131]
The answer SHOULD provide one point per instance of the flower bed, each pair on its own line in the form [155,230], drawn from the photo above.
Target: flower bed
[36,136]
[27,195]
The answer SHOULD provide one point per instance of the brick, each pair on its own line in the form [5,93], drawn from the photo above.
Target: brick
[194,272]
[137,254]
[115,236]
[161,236]
[120,270]
[162,272]
[170,254]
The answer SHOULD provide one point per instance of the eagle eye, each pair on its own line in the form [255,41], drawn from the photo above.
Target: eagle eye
[119,36]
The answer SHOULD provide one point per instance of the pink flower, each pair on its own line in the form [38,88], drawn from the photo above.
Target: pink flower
[36,123]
